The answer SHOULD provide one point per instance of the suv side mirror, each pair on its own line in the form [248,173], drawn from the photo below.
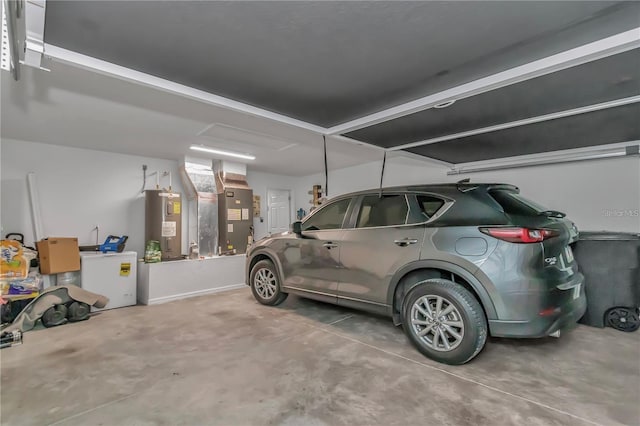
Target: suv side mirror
[296,227]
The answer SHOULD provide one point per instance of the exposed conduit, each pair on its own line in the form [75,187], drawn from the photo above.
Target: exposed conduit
[326,170]
[384,161]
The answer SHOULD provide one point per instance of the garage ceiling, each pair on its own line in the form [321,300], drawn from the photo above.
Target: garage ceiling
[608,79]
[610,126]
[329,67]
[324,62]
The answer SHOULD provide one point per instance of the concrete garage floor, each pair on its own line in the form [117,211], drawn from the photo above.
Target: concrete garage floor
[224,359]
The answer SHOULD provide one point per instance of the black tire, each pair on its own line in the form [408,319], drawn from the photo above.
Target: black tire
[464,327]
[78,311]
[623,319]
[55,316]
[265,284]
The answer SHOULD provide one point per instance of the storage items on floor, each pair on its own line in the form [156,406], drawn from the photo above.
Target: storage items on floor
[58,255]
[610,263]
[17,285]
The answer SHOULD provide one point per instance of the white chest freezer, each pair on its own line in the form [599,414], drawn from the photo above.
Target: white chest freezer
[111,274]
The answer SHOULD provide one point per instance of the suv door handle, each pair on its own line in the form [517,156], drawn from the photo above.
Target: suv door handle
[329,245]
[405,242]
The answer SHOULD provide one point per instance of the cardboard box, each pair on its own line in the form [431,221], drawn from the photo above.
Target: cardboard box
[58,255]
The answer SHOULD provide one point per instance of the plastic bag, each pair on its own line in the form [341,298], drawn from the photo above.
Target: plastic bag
[13,263]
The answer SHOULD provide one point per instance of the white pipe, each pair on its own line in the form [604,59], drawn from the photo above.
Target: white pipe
[35,207]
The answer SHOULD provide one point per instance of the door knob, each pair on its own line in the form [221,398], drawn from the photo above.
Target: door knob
[405,242]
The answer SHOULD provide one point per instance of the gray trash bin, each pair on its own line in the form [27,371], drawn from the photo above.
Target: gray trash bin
[610,263]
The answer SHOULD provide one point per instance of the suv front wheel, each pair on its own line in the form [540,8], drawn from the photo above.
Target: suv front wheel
[444,321]
[265,284]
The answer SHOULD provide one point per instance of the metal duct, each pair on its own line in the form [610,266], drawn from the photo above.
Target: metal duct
[202,195]
[230,175]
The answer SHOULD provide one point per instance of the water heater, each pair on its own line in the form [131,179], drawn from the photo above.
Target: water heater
[163,221]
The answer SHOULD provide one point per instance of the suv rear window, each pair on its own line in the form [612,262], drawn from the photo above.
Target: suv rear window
[388,210]
[429,205]
[515,204]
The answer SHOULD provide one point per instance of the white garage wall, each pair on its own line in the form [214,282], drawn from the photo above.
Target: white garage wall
[597,195]
[78,188]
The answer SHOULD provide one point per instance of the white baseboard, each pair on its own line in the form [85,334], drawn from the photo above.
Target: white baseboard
[173,297]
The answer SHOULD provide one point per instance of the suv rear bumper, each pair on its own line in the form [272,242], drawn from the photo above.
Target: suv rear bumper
[567,316]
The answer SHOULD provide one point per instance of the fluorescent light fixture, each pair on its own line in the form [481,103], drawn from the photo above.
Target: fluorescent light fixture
[597,155]
[221,152]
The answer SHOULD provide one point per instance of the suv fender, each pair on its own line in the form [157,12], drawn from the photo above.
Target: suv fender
[483,295]
[263,252]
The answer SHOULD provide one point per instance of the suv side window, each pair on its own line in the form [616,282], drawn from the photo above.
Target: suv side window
[329,216]
[388,210]
[429,205]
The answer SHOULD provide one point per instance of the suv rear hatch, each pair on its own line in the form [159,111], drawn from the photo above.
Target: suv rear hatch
[557,232]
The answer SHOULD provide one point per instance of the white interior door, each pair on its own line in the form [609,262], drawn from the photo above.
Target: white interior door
[279,205]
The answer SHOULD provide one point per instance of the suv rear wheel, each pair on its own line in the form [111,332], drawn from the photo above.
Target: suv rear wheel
[265,284]
[444,321]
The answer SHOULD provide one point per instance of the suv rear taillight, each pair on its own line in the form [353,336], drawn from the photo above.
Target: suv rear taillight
[520,235]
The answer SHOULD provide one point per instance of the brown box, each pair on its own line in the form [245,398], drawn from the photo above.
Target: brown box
[58,255]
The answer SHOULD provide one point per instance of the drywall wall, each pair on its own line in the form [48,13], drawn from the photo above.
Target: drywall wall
[78,189]
[260,183]
[597,194]
[82,188]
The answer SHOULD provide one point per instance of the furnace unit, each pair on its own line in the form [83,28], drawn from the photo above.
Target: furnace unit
[163,221]
[235,207]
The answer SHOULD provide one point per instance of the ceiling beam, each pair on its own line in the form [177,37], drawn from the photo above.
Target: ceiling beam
[109,69]
[523,122]
[418,157]
[618,43]
[34,16]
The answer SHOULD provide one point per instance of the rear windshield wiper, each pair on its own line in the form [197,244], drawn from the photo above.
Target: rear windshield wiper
[552,213]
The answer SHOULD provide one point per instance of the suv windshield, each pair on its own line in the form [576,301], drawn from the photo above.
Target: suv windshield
[515,204]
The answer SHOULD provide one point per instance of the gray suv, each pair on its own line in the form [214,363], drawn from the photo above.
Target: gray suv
[451,263]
